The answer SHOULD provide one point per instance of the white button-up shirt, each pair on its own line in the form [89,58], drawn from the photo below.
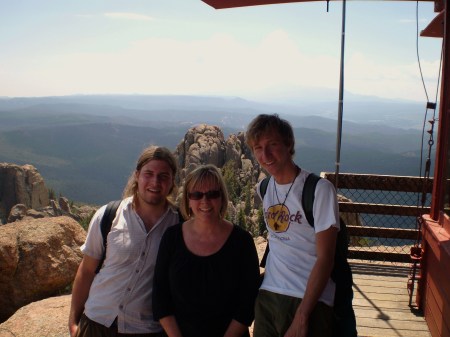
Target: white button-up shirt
[123,287]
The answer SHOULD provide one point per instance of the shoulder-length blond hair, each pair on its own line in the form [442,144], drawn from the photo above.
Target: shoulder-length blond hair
[151,153]
[200,175]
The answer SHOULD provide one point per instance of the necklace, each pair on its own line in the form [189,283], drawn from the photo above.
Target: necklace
[290,187]
[282,226]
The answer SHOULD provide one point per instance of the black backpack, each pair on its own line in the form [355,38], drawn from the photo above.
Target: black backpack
[105,227]
[341,274]
[106,223]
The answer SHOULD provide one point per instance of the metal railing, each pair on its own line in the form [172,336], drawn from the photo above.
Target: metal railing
[381,213]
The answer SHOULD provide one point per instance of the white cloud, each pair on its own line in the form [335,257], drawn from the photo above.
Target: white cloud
[128,16]
[364,76]
[86,16]
[219,65]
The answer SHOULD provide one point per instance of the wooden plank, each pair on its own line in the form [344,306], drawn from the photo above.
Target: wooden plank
[380,182]
[378,303]
[380,292]
[377,270]
[436,312]
[389,332]
[379,283]
[394,315]
[378,256]
[430,322]
[386,209]
[381,302]
[385,301]
[397,324]
[382,232]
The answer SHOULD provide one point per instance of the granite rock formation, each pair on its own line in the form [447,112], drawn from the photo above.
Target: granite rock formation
[46,317]
[38,259]
[21,185]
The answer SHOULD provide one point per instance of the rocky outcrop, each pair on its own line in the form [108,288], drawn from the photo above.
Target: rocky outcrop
[202,144]
[21,185]
[47,317]
[17,212]
[38,258]
[80,213]
[206,144]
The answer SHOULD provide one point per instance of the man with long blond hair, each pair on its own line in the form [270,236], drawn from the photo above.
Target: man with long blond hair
[117,301]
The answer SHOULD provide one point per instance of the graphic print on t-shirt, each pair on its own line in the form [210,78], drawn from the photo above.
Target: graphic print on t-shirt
[278,218]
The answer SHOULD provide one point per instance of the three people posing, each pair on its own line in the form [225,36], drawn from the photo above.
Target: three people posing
[206,274]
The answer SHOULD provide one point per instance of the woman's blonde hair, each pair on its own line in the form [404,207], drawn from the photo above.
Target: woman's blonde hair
[196,178]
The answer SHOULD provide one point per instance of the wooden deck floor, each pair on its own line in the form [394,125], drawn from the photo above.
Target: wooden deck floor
[381,302]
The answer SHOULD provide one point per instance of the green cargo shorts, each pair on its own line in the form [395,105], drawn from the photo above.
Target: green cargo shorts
[275,312]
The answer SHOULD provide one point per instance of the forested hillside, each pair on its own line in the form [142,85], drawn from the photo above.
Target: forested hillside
[86,149]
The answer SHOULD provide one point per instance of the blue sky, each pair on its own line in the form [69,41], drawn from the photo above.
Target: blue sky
[53,48]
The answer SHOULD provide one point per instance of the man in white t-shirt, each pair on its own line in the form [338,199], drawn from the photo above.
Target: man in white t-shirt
[117,301]
[297,294]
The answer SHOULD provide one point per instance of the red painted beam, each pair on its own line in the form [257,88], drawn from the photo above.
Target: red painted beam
[220,4]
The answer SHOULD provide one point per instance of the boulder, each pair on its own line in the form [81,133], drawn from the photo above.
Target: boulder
[17,212]
[205,144]
[64,204]
[21,185]
[38,259]
[47,317]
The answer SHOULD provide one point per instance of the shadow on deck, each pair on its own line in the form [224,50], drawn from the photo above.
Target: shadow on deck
[381,301]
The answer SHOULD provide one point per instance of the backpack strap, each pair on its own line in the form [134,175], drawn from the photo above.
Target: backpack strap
[105,227]
[106,223]
[263,187]
[309,190]
[262,192]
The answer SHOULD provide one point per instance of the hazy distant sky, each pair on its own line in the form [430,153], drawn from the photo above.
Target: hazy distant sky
[52,48]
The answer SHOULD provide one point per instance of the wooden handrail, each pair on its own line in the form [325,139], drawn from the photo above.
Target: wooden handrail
[362,207]
[378,256]
[380,232]
[350,181]
[380,182]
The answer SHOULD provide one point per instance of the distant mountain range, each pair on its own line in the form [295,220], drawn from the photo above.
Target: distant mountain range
[86,146]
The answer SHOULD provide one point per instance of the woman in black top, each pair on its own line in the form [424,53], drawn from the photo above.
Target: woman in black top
[206,274]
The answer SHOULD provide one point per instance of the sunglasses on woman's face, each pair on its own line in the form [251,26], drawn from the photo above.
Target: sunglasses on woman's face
[209,195]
